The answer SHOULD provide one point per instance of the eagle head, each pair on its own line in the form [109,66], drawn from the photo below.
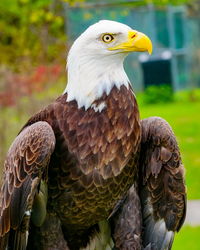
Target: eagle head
[95,60]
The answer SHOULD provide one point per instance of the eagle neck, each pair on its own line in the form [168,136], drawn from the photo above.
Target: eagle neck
[89,78]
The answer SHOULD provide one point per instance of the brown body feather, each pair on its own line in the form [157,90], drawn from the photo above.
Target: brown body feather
[89,172]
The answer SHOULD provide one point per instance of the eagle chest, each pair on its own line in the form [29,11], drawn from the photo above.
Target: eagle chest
[97,151]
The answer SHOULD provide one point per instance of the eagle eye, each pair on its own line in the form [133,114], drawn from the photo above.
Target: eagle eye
[107,38]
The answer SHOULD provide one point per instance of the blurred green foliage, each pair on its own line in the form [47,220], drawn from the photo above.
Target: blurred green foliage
[31,32]
[158,94]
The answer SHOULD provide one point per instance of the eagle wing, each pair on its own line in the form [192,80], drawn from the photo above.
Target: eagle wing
[25,166]
[155,206]
[162,188]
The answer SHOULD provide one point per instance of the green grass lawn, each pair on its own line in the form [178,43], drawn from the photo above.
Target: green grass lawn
[184,117]
[187,239]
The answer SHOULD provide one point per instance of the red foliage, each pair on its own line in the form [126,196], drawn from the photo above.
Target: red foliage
[18,85]
[6,99]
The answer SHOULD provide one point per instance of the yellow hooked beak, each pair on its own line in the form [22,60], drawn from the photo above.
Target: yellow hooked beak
[136,41]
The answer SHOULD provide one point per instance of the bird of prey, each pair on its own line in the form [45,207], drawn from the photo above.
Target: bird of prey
[85,172]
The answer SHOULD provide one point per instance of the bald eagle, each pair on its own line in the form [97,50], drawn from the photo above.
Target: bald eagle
[85,172]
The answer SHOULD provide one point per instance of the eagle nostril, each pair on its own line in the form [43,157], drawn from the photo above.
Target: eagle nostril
[134,35]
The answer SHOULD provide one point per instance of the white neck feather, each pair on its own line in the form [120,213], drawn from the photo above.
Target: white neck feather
[89,77]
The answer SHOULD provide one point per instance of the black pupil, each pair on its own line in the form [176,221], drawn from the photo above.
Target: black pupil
[108,38]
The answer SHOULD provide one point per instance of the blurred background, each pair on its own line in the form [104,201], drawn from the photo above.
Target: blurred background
[34,40]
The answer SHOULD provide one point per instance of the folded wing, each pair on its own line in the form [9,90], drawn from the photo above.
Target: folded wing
[25,167]
[162,188]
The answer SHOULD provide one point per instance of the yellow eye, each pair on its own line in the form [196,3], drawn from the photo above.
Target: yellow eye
[107,38]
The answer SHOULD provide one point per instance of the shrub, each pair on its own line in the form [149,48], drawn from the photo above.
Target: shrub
[158,94]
